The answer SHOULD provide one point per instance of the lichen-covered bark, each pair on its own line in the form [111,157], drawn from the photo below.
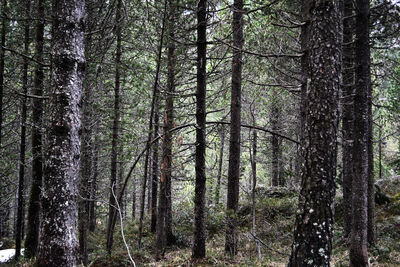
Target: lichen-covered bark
[34,207]
[199,244]
[314,222]
[231,237]
[58,243]
[358,235]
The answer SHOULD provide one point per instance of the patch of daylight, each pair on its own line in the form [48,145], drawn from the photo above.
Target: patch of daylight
[7,254]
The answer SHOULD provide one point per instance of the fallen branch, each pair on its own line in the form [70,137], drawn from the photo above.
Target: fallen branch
[268,247]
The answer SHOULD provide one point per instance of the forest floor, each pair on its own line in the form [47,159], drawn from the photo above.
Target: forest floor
[275,211]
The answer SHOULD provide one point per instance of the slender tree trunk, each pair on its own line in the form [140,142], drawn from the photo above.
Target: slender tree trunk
[21,182]
[371,228]
[2,57]
[314,224]
[359,227]
[199,244]
[231,238]
[163,222]
[3,210]
[348,113]
[134,199]
[305,70]
[154,180]
[58,244]
[34,207]
[153,103]
[275,159]
[254,184]
[115,134]
[86,152]
[93,183]
[220,163]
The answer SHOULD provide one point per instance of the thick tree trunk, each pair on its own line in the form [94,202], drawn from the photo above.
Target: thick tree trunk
[21,182]
[58,244]
[314,224]
[348,113]
[115,134]
[34,207]
[358,235]
[231,238]
[164,230]
[199,244]
[220,163]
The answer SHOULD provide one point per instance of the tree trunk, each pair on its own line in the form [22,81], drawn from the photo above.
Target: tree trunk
[21,182]
[93,183]
[163,220]
[114,145]
[220,163]
[34,207]
[4,208]
[153,103]
[199,244]
[154,180]
[358,236]
[371,228]
[275,142]
[314,224]
[348,113]
[86,153]
[58,244]
[231,238]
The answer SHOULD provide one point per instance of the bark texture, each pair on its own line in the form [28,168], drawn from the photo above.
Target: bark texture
[115,133]
[358,235]
[314,222]
[231,238]
[21,179]
[34,207]
[199,244]
[164,200]
[348,113]
[58,243]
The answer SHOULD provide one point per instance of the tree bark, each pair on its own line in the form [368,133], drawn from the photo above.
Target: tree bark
[3,210]
[115,134]
[21,180]
[231,238]
[314,223]
[199,244]
[359,224]
[150,135]
[58,244]
[154,180]
[220,163]
[34,206]
[154,185]
[163,221]
[348,114]
[86,149]
[275,142]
